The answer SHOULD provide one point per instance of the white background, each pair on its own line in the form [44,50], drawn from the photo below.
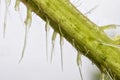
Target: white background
[34,65]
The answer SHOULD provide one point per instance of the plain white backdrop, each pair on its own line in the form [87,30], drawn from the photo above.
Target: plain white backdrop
[34,65]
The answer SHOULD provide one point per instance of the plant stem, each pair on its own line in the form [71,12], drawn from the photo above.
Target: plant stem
[86,35]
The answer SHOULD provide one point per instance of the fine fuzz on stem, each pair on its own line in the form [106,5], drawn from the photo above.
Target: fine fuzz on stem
[7,4]
[25,43]
[79,63]
[53,43]
[17,4]
[61,50]
[27,22]
[47,27]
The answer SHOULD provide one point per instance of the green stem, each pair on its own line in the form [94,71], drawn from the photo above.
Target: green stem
[74,26]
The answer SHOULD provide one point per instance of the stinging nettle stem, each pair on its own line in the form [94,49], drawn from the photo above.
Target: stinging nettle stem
[74,25]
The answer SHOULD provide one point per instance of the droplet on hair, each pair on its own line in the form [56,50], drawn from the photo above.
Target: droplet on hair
[47,27]
[53,43]
[61,50]
[17,4]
